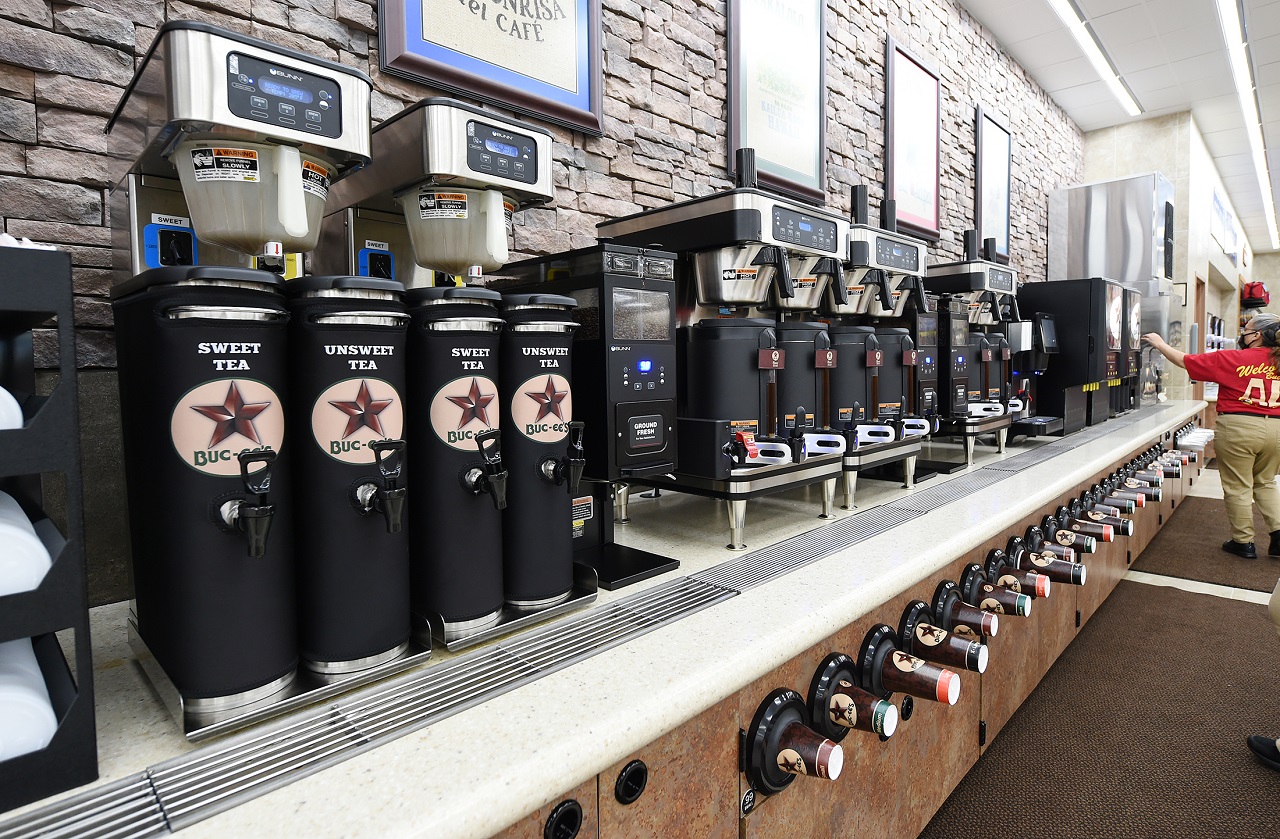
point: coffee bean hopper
(228, 146)
(753, 367)
(445, 179)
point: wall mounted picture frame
(543, 60)
(913, 132)
(777, 97)
(993, 181)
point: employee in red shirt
(1247, 437)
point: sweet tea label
(463, 408)
(214, 422)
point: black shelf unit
(35, 285)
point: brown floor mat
(1190, 546)
(1137, 731)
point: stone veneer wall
(63, 67)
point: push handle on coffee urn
(253, 515)
(776, 258)
(831, 267)
(879, 279)
(390, 498)
(493, 477)
(568, 469)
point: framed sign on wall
(539, 57)
(913, 128)
(992, 182)
(777, 96)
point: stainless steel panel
(1114, 229)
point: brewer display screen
(801, 229)
(285, 91)
(502, 153)
(640, 315)
(644, 365)
(501, 148)
(283, 97)
(1000, 280)
(1048, 333)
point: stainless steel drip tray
(303, 690)
(751, 481)
(586, 587)
(878, 453)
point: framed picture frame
(913, 131)
(777, 97)
(993, 174)
(543, 60)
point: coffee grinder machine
(624, 358)
(752, 376)
(228, 146)
(1088, 316)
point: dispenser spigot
(253, 515)
(775, 257)
(741, 447)
(833, 269)
(490, 478)
(568, 469)
(879, 279)
(387, 499)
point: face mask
(1240, 343)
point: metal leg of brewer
(850, 487)
(737, 508)
(828, 498)
(621, 494)
(968, 448)
(1002, 437)
(909, 472)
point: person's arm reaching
(1175, 356)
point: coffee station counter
(480, 770)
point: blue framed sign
(538, 57)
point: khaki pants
(1248, 450)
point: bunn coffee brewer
(445, 178)
(753, 374)
(873, 390)
(624, 357)
(1088, 316)
(979, 362)
(1033, 343)
(240, 140)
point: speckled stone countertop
(478, 771)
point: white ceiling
(1171, 55)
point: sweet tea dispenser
(227, 146)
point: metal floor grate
(126, 809)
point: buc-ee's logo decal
(213, 422)
(464, 408)
(351, 414)
(542, 408)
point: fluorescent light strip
(1070, 19)
(1232, 34)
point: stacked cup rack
(40, 470)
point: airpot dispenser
(234, 143)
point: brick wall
(63, 68)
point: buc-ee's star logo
(463, 408)
(474, 405)
(233, 416)
(345, 425)
(363, 411)
(548, 400)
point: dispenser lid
(452, 294)
(851, 330)
(797, 325)
(893, 330)
(302, 285)
(550, 301)
(210, 274)
(734, 323)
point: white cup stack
(10, 411)
(27, 720)
(24, 560)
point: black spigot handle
(576, 459)
(1015, 316)
(831, 266)
(254, 515)
(390, 499)
(389, 455)
(494, 481)
(914, 288)
(258, 484)
(880, 280)
(777, 257)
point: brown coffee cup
(852, 707)
(973, 619)
(1101, 532)
(803, 751)
(1057, 569)
(1119, 524)
(1060, 551)
(1082, 542)
(1137, 499)
(933, 643)
(1032, 583)
(914, 676)
(1003, 601)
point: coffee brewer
(228, 146)
(753, 377)
(624, 354)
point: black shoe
(1265, 749)
(1245, 549)
(1274, 550)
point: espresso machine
(1088, 317)
(445, 179)
(624, 355)
(753, 375)
(874, 389)
(1033, 343)
(227, 148)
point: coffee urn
(347, 360)
(456, 454)
(543, 449)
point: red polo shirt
(1247, 380)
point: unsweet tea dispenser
(228, 146)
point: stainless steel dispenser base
(201, 719)
(585, 589)
(971, 428)
(880, 454)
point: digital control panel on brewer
(278, 95)
(800, 229)
(1000, 280)
(897, 255)
(502, 153)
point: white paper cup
(24, 560)
(27, 720)
(10, 411)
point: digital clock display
(285, 91)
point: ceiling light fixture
(1233, 35)
(1084, 38)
